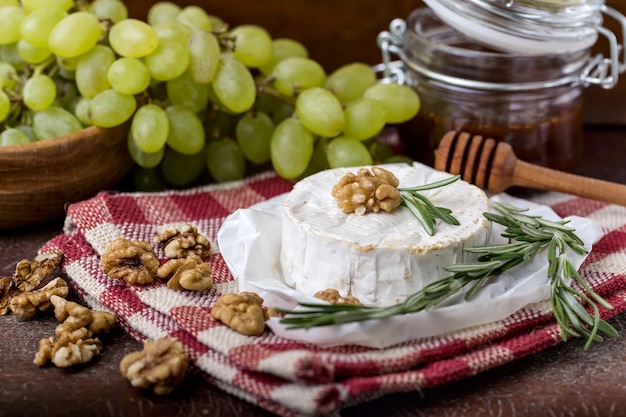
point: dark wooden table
(561, 381)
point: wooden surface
(561, 381)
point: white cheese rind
(380, 258)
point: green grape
(129, 76)
(141, 158)
(186, 133)
(54, 122)
(319, 161)
(32, 54)
(291, 148)
(9, 54)
(180, 169)
(5, 106)
(401, 101)
(39, 92)
(66, 92)
(204, 56)
(173, 31)
(254, 134)
(28, 131)
(168, 61)
(10, 20)
(225, 160)
(195, 17)
(111, 108)
(92, 71)
(12, 136)
(347, 152)
(284, 48)
(35, 28)
(8, 75)
(320, 112)
(350, 81)
(31, 5)
(150, 128)
(74, 35)
(184, 91)
(296, 74)
(234, 86)
(133, 38)
(218, 24)
(113, 10)
(162, 11)
(365, 118)
(68, 64)
(253, 45)
(80, 108)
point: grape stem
(263, 86)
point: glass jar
(530, 99)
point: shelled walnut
(72, 348)
(25, 305)
(133, 261)
(161, 365)
(242, 312)
(7, 291)
(190, 273)
(368, 190)
(29, 274)
(332, 296)
(74, 342)
(184, 242)
(75, 316)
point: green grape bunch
(198, 96)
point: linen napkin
(283, 376)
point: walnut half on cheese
(379, 258)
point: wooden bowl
(38, 180)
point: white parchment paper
(250, 240)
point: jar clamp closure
(513, 70)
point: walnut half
(373, 190)
(242, 312)
(26, 304)
(133, 261)
(190, 273)
(161, 365)
(184, 242)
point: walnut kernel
(184, 242)
(26, 304)
(7, 291)
(368, 190)
(242, 312)
(161, 364)
(74, 342)
(29, 274)
(190, 273)
(332, 296)
(131, 260)
(69, 349)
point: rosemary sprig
(528, 236)
(423, 209)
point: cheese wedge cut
(379, 258)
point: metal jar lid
(523, 27)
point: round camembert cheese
(379, 258)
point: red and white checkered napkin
(280, 375)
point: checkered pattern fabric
(286, 377)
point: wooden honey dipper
(493, 166)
